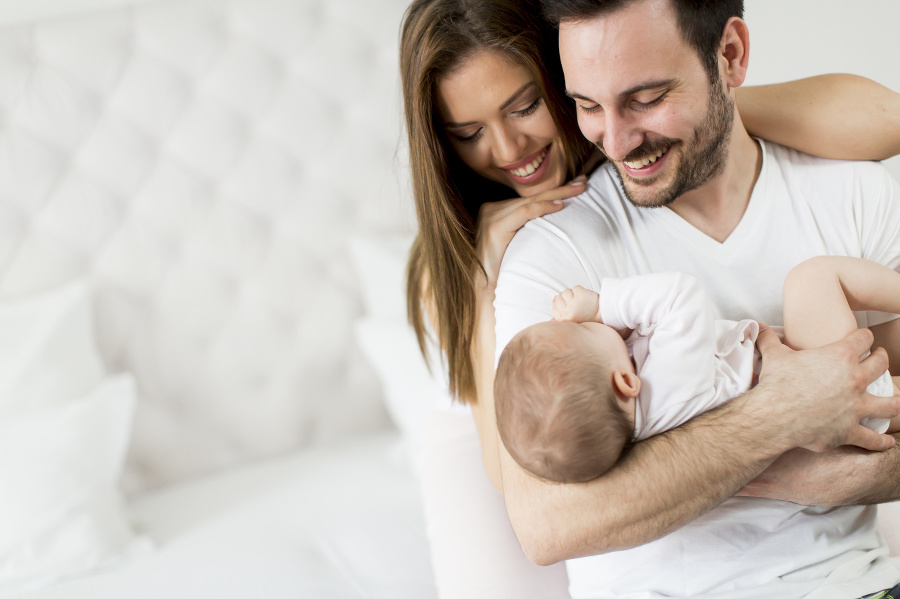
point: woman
(492, 143)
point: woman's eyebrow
(510, 100)
(516, 95)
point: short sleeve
(879, 216)
(539, 263)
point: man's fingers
(860, 342)
(879, 407)
(869, 439)
(874, 365)
(768, 341)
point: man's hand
(841, 476)
(577, 305)
(824, 393)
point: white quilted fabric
(204, 163)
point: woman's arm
(497, 224)
(833, 116)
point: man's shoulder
(826, 184)
(601, 204)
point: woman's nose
(508, 145)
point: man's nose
(620, 135)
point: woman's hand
(499, 221)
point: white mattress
(341, 521)
(335, 522)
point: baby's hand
(577, 304)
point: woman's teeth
(529, 168)
(646, 160)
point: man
(687, 189)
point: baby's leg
(816, 310)
(820, 295)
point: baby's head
(562, 411)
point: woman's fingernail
(557, 201)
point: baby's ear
(627, 383)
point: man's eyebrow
(648, 85)
(503, 106)
(628, 92)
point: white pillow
(409, 389)
(47, 349)
(64, 431)
(387, 340)
(380, 264)
(59, 468)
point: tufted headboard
(204, 163)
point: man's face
(643, 97)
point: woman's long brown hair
(437, 36)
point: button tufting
(195, 158)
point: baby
(570, 400)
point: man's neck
(717, 207)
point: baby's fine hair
(557, 410)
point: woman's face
(499, 125)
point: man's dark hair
(701, 21)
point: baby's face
(607, 343)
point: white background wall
(790, 39)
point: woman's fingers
(498, 221)
(518, 211)
(573, 188)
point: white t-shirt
(800, 207)
(688, 362)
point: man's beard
(701, 160)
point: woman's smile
(530, 169)
(498, 123)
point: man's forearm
(883, 483)
(668, 480)
(661, 485)
(843, 476)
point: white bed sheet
(342, 521)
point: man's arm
(671, 479)
(807, 477)
(668, 480)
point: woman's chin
(551, 181)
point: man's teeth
(646, 160)
(530, 168)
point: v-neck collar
(735, 240)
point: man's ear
(627, 383)
(734, 52)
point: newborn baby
(570, 399)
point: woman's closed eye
(530, 108)
(467, 139)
